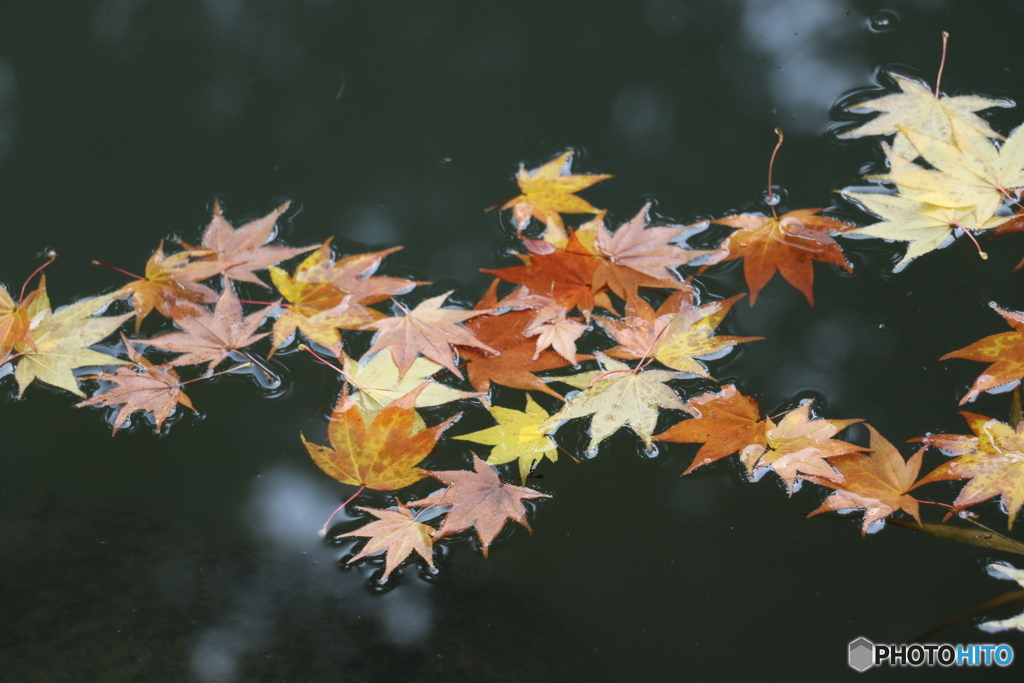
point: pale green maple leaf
(61, 339)
(379, 384)
(919, 109)
(617, 396)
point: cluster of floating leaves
(626, 286)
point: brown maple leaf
(788, 244)
(1005, 352)
(143, 386)
(636, 256)
(171, 286)
(993, 460)
(237, 254)
(478, 499)
(798, 446)
(396, 533)
(209, 338)
(548, 191)
(725, 423)
(515, 359)
(427, 329)
(565, 275)
(676, 335)
(876, 482)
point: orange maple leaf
(725, 423)
(548, 191)
(171, 286)
(380, 455)
(562, 274)
(1004, 350)
(15, 322)
(787, 244)
(515, 359)
(427, 329)
(993, 460)
(876, 482)
(326, 295)
(478, 499)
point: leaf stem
(942, 62)
(260, 365)
(323, 529)
(1015, 407)
(241, 366)
(120, 270)
(51, 257)
(332, 366)
(771, 171)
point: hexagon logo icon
(862, 654)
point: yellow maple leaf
(924, 226)
(548, 192)
(972, 173)
(519, 435)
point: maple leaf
(14, 322)
(993, 460)
(549, 191)
(397, 534)
(515, 358)
(920, 109)
(636, 256)
(376, 377)
(725, 423)
(876, 482)
(798, 446)
(321, 327)
(209, 338)
(144, 387)
(58, 339)
(325, 295)
(787, 244)
(517, 436)
(378, 451)
(478, 499)
(971, 173)
(427, 329)
(169, 281)
(1005, 351)
(554, 330)
(237, 254)
(676, 335)
(564, 275)
(1003, 570)
(906, 219)
(616, 396)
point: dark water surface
(194, 556)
